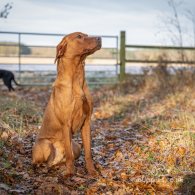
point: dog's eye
(79, 36)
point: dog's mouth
(91, 51)
(99, 46)
(94, 49)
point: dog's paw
(93, 172)
(70, 170)
(91, 169)
(69, 173)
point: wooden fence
(186, 55)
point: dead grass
(167, 113)
(18, 113)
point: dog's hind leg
(41, 151)
(7, 82)
(76, 149)
(57, 153)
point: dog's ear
(60, 49)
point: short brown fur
(69, 108)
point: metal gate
(31, 57)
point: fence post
(19, 55)
(122, 55)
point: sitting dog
(8, 77)
(69, 108)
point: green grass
(18, 114)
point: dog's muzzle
(99, 42)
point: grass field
(143, 133)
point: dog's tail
(16, 82)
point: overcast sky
(141, 19)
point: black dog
(8, 77)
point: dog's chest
(80, 111)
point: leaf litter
(135, 145)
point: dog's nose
(99, 39)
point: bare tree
(6, 10)
(174, 21)
(175, 27)
(190, 15)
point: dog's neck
(71, 71)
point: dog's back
(5, 73)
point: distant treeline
(9, 49)
(12, 49)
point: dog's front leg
(68, 151)
(86, 137)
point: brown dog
(70, 106)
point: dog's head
(77, 44)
